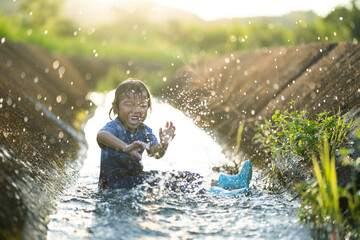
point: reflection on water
(157, 213)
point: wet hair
(127, 87)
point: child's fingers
(171, 126)
(136, 154)
(139, 144)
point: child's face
(132, 110)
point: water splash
(156, 212)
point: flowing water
(83, 212)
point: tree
(40, 11)
(347, 18)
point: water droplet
(9, 101)
(341, 18)
(58, 99)
(46, 32)
(61, 134)
(36, 80)
(61, 71)
(56, 64)
(282, 98)
(164, 79)
(2, 40)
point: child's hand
(134, 148)
(167, 134)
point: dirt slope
(42, 107)
(250, 86)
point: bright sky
(97, 11)
(215, 9)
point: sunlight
(198, 153)
(235, 8)
(100, 11)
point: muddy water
(85, 213)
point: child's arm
(111, 140)
(166, 135)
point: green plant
(295, 133)
(154, 80)
(321, 196)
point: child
(124, 139)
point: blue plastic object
(221, 191)
(239, 181)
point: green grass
(172, 42)
(320, 206)
(293, 133)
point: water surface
(156, 213)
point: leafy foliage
(321, 197)
(154, 80)
(137, 37)
(294, 133)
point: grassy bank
(135, 37)
(331, 210)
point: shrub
(294, 133)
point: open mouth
(134, 120)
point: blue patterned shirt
(115, 163)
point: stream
(84, 212)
